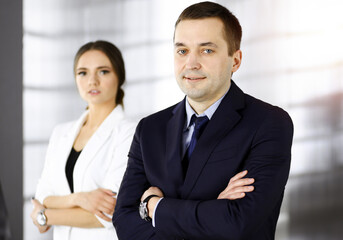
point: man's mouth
(194, 78)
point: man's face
(202, 65)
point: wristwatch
(41, 218)
(143, 210)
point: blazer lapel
(222, 121)
(66, 146)
(173, 149)
(94, 144)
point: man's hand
(237, 187)
(153, 201)
(98, 202)
(37, 206)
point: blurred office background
(292, 57)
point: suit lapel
(94, 144)
(173, 149)
(222, 121)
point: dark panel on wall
(11, 131)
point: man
(184, 189)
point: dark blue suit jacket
(244, 133)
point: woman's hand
(37, 206)
(98, 202)
(237, 187)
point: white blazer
(102, 163)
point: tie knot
(200, 122)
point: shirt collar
(208, 112)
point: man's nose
(193, 61)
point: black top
(73, 156)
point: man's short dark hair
(232, 27)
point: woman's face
(96, 79)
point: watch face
(41, 219)
(142, 210)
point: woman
(86, 158)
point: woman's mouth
(94, 92)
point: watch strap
(146, 200)
(145, 206)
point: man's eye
(81, 73)
(181, 51)
(208, 51)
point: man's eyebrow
(204, 44)
(209, 44)
(179, 44)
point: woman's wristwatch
(41, 218)
(143, 208)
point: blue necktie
(200, 124)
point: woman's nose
(93, 80)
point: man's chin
(196, 96)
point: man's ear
(237, 59)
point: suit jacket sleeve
(268, 161)
(126, 217)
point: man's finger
(243, 182)
(239, 175)
(242, 189)
(231, 196)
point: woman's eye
(81, 73)
(103, 72)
